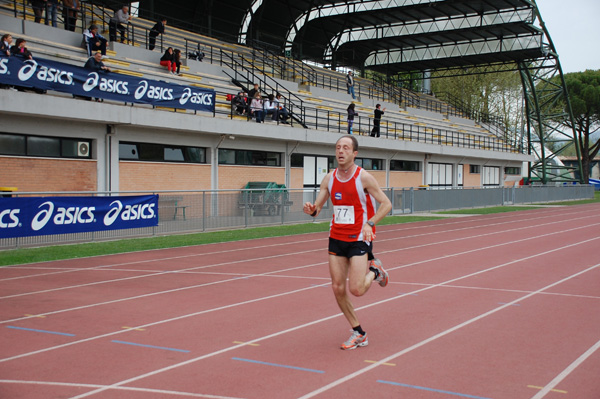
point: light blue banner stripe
(151, 346)
(278, 365)
(431, 389)
(40, 331)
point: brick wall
(48, 174)
(236, 177)
(136, 176)
(406, 179)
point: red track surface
(503, 306)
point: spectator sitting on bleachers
(157, 29)
(20, 50)
(168, 60)
(177, 60)
(95, 63)
(240, 103)
(270, 107)
(94, 41)
(283, 112)
(118, 22)
(256, 108)
(5, 44)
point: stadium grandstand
(54, 139)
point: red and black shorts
(349, 249)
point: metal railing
(232, 209)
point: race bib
(343, 214)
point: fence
(186, 212)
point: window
(40, 146)
(369, 163)
(249, 157)
(474, 169)
(406, 166)
(161, 153)
(12, 144)
(512, 170)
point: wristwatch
(370, 223)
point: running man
(353, 191)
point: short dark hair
(378, 105)
(92, 27)
(352, 138)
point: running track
(503, 306)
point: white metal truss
(401, 30)
(342, 8)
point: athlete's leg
(359, 276)
(338, 268)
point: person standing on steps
(353, 192)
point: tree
(492, 93)
(584, 96)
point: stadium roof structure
(399, 36)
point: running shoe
(383, 276)
(356, 339)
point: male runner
(353, 191)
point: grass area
(487, 211)
(595, 200)
(58, 252)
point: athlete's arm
(372, 187)
(322, 197)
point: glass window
(474, 169)
(12, 144)
(511, 170)
(174, 154)
(406, 166)
(128, 151)
(226, 156)
(43, 146)
(195, 154)
(297, 160)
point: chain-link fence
(198, 211)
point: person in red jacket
(353, 193)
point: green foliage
(584, 96)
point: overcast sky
(574, 28)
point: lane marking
(504, 303)
(282, 244)
(302, 267)
(463, 395)
(552, 390)
(91, 386)
(39, 316)
(278, 365)
(133, 328)
(557, 380)
(443, 334)
(383, 364)
(40, 331)
(150, 346)
(318, 321)
(245, 343)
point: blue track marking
(151, 346)
(462, 395)
(278, 365)
(40, 331)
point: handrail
(235, 65)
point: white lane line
(283, 255)
(386, 360)
(565, 373)
(437, 336)
(300, 267)
(404, 228)
(134, 389)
